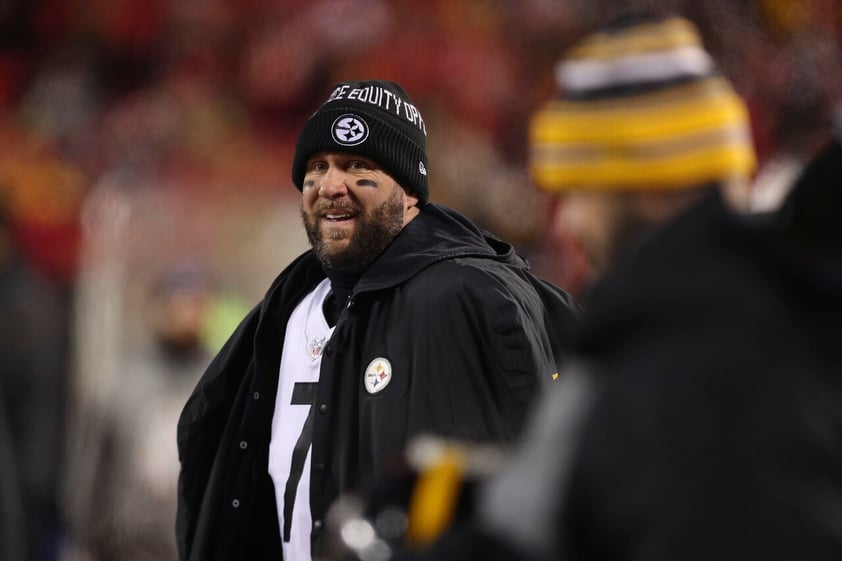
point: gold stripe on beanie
(616, 171)
(651, 150)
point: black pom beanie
(374, 119)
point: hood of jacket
(436, 234)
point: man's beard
(374, 231)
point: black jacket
(707, 417)
(471, 336)
(722, 397)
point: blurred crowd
(145, 152)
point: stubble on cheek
(322, 237)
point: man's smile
(337, 216)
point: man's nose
(334, 183)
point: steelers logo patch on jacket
(378, 374)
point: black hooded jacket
(702, 418)
(720, 353)
(471, 335)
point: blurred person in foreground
(700, 416)
(123, 475)
(403, 319)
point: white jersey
(292, 424)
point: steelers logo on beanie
(375, 119)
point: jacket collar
(436, 234)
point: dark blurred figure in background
(32, 390)
(701, 415)
(123, 479)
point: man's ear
(410, 200)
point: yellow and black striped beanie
(642, 106)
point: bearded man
(404, 319)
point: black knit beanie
(374, 119)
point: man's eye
(318, 166)
(359, 165)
